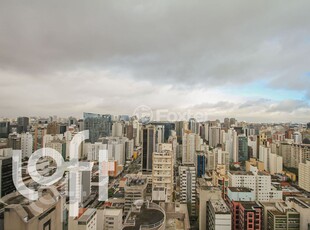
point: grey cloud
(253, 103)
(53, 53)
(218, 105)
(288, 106)
(196, 42)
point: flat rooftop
(249, 205)
(87, 215)
(145, 217)
(240, 189)
(299, 202)
(241, 173)
(220, 206)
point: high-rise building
(162, 176)
(148, 147)
(231, 144)
(214, 136)
(129, 131)
(293, 154)
(259, 182)
(189, 148)
(26, 144)
(201, 164)
(111, 219)
(247, 215)
(20, 214)
(206, 193)
(275, 163)
(4, 129)
(135, 189)
(218, 215)
(283, 219)
(304, 175)
(22, 123)
(6, 179)
(188, 187)
(226, 123)
(39, 133)
(180, 126)
(192, 125)
(98, 125)
(301, 205)
(53, 128)
(117, 129)
(129, 146)
(14, 141)
(242, 148)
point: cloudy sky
(247, 59)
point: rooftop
(239, 189)
(136, 180)
(146, 216)
(241, 173)
(87, 215)
(220, 206)
(249, 205)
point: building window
(47, 225)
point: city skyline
(241, 59)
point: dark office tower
(62, 128)
(4, 129)
(14, 141)
(179, 130)
(192, 125)
(148, 147)
(232, 121)
(308, 125)
(6, 180)
(227, 123)
(242, 148)
(201, 164)
(129, 131)
(98, 125)
(22, 124)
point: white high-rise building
(218, 215)
(92, 150)
(117, 129)
(26, 144)
(136, 132)
(304, 175)
(162, 176)
(231, 144)
(188, 186)
(259, 182)
(264, 156)
(275, 163)
(217, 157)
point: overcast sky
(243, 59)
